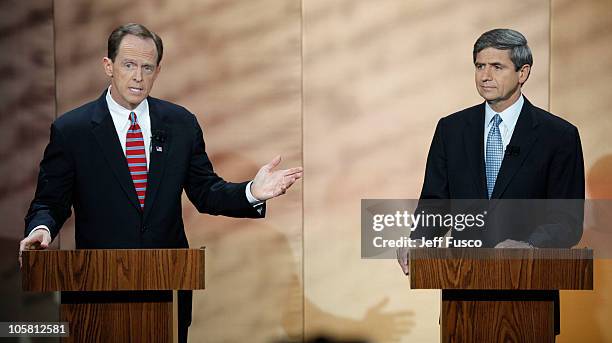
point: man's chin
(135, 101)
(490, 98)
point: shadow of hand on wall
(387, 326)
(254, 281)
(377, 324)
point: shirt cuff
(40, 227)
(252, 200)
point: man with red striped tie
(122, 163)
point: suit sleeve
(435, 193)
(565, 188)
(54, 191)
(210, 193)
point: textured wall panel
(27, 107)
(377, 77)
(581, 74)
(27, 104)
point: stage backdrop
(378, 75)
(580, 79)
(27, 108)
(351, 90)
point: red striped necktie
(136, 158)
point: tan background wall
(377, 77)
(580, 90)
(352, 90)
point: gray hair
(506, 39)
(137, 30)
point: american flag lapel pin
(158, 138)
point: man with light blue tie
(506, 148)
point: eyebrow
(493, 64)
(125, 60)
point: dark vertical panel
(27, 108)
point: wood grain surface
(113, 270)
(119, 322)
(497, 321)
(509, 269)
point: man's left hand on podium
(512, 244)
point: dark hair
(137, 30)
(506, 39)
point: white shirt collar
(115, 108)
(509, 115)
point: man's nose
(138, 75)
(485, 74)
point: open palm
(270, 183)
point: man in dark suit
(506, 148)
(123, 161)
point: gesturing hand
(269, 183)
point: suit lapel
(523, 137)
(473, 137)
(160, 144)
(105, 133)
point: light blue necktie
(495, 153)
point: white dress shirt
(121, 119)
(509, 118)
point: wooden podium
(116, 295)
(499, 295)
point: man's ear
(524, 73)
(107, 63)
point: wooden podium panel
(500, 295)
(497, 316)
(119, 322)
(511, 269)
(121, 295)
(112, 269)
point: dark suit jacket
(84, 167)
(546, 164)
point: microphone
(159, 136)
(513, 150)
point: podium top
(501, 269)
(112, 269)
